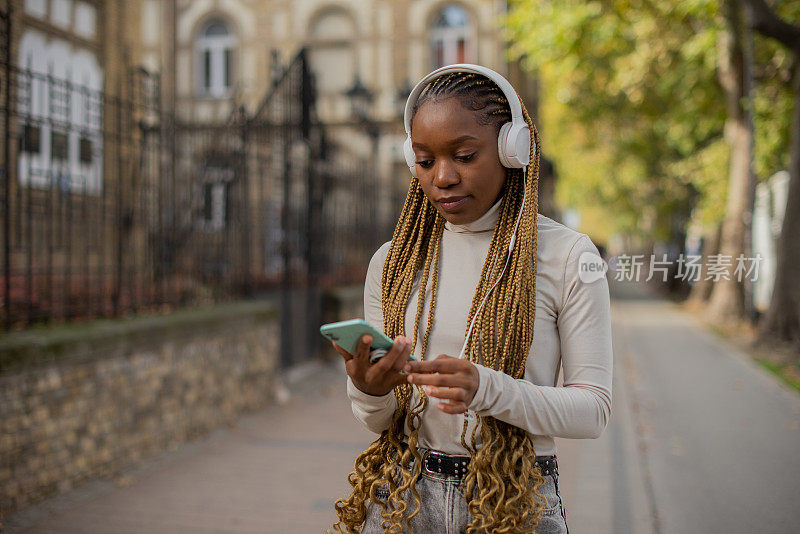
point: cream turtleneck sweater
(572, 329)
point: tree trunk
(727, 294)
(782, 319)
(701, 290)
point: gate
(150, 213)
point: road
(701, 440)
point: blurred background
(190, 188)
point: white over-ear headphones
(514, 140)
(513, 147)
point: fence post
(313, 209)
(5, 174)
(247, 231)
(286, 301)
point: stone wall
(85, 401)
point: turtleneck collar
(484, 223)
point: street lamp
(360, 100)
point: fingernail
(427, 389)
(407, 367)
(410, 379)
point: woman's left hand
(449, 378)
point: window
(31, 135)
(215, 205)
(85, 150)
(58, 145)
(59, 111)
(451, 37)
(36, 8)
(215, 47)
(331, 52)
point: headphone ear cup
(502, 144)
(522, 145)
(514, 145)
(411, 158)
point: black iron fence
(111, 206)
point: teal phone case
(347, 335)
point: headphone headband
(513, 141)
(502, 83)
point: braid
(474, 91)
(501, 486)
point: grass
(788, 372)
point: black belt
(436, 462)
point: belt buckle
(425, 458)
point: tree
(632, 112)
(782, 320)
(636, 97)
(727, 294)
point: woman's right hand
(382, 376)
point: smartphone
(347, 334)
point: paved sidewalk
(718, 435)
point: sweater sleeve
(582, 407)
(373, 411)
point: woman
(466, 435)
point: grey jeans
(444, 510)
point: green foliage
(772, 96)
(631, 109)
(706, 168)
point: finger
(443, 363)
(456, 394)
(362, 350)
(452, 407)
(400, 344)
(402, 356)
(346, 355)
(385, 364)
(444, 380)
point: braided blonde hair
(501, 486)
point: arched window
(451, 37)
(215, 51)
(330, 40)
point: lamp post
(360, 106)
(360, 99)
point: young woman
(490, 297)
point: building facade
(157, 150)
(215, 55)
